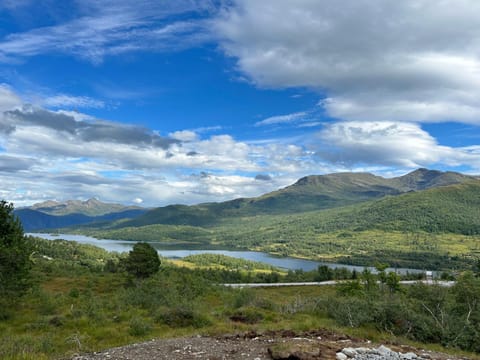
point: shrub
(247, 315)
(351, 312)
(182, 317)
(139, 327)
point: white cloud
(388, 143)
(56, 154)
(106, 28)
(63, 100)
(410, 60)
(8, 99)
(282, 119)
(184, 135)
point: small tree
(142, 261)
(14, 254)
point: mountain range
(53, 214)
(310, 193)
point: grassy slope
(76, 307)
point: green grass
(86, 312)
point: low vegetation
(81, 299)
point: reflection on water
(281, 262)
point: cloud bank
(412, 60)
(382, 70)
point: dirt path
(321, 344)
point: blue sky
(154, 102)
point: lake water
(281, 262)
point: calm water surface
(281, 262)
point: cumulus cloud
(411, 60)
(85, 131)
(184, 135)
(387, 143)
(49, 154)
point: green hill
(307, 194)
(449, 209)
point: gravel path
(271, 345)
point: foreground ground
(322, 344)
(82, 303)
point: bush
(247, 315)
(243, 297)
(351, 312)
(182, 317)
(139, 327)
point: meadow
(81, 300)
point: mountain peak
(48, 203)
(422, 179)
(90, 207)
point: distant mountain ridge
(53, 214)
(90, 207)
(310, 193)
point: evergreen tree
(14, 254)
(142, 261)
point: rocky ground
(270, 345)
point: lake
(288, 263)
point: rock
(341, 356)
(383, 350)
(362, 350)
(409, 356)
(350, 352)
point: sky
(188, 101)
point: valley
(425, 220)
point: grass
(74, 308)
(51, 321)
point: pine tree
(142, 261)
(14, 254)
